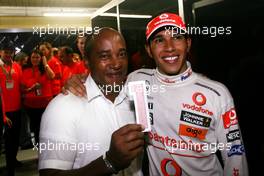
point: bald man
(95, 135)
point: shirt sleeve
(56, 68)
(58, 141)
(56, 154)
(229, 134)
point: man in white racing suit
(191, 116)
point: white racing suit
(191, 118)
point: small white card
(137, 91)
(9, 84)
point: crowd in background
(28, 82)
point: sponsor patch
(199, 99)
(186, 75)
(195, 119)
(230, 118)
(233, 135)
(194, 132)
(236, 150)
(197, 109)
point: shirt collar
(93, 91)
(174, 80)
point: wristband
(109, 165)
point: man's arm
(229, 135)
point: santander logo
(199, 99)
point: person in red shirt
(10, 78)
(21, 58)
(69, 66)
(37, 90)
(76, 57)
(54, 66)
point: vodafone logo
(199, 99)
(163, 16)
(232, 114)
(198, 109)
(230, 118)
(169, 167)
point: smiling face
(108, 58)
(7, 55)
(35, 59)
(169, 52)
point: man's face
(7, 54)
(63, 56)
(169, 52)
(108, 60)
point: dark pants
(35, 118)
(12, 141)
(25, 137)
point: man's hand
(126, 144)
(8, 122)
(75, 85)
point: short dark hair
(68, 50)
(40, 66)
(47, 44)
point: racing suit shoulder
(140, 74)
(217, 87)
